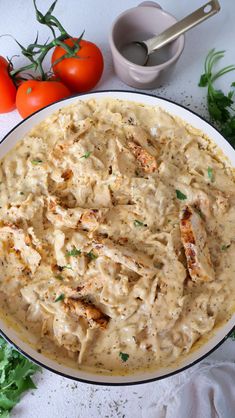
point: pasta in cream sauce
(117, 235)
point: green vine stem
(36, 52)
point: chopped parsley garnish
(67, 267)
(60, 297)
(199, 212)
(158, 265)
(74, 252)
(59, 277)
(15, 377)
(138, 223)
(36, 161)
(86, 155)
(180, 195)
(210, 174)
(225, 247)
(124, 356)
(92, 256)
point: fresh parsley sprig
(15, 377)
(232, 335)
(220, 105)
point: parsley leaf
(124, 356)
(59, 298)
(225, 247)
(180, 195)
(203, 80)
(86, 155)
(92, 256)
(210, 174)
(67, 267)
(220, 105)
(59, 277)
(36, 161)
(15, 377)
(74, 252)
(138, 223)
(232, 335)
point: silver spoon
(138, 51)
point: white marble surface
(58, 397)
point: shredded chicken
(146, 160)
(86, 310)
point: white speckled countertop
(58, 397)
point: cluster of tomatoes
(76, 74)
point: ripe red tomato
(33, 95)
(80, 73)
(7, 88)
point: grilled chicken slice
(67, 174)
(194, 239)
(146, 160)
(133, 260)
(74, 217)
(88, 311)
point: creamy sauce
(94, 260)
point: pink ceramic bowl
(146, 20)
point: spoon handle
(201, 14)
